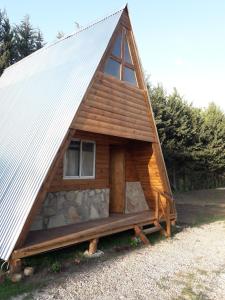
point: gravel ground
(191, 265)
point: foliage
(7, 46)
(56, 267)
(18, 41)
(9, 289)
(192, 140)
(135, 241)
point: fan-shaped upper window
(120, 63)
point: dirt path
(189, 266)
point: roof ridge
(91, 24)
(48, 45)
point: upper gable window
(120, 64)
(117, 46)
(112, 67)
(127, 56)
(129, 76)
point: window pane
(87, 159)
(73, 159)
(129, 76)
(112, 67)
(127, 55)
(117, 46)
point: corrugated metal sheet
(38, 99)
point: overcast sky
(181, 42)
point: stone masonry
(135, 198)
(64, 208)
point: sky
(181, 42)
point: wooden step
(151, 230)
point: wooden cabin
(84, 158)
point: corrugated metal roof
(38, 99)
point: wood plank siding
(140, 165)
(148, 171)
(101, 179)
(115, 108)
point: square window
(79, 160)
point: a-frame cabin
(80, 156)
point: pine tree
(39, 41)
(213, 137)
(192, 140)
(7, 45)
(27, 38)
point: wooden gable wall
(114, 107)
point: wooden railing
(164, 209)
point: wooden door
(117, 180)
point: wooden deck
(45, 240)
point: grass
(9, 289)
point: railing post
(168, 221)
(157, 207)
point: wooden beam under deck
(55, 238)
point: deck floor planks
(45, 240)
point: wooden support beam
(161, 230)
(93, 246)
(157, 206)
(15, 265)
(141, 235)
(173, 222)
(151, 230)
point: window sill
(77, 177)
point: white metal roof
(39, 97)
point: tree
(27, 38)
(7, 43)
(39, 40)
(192, 140)
(213, 137)
(18, 41)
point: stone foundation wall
(63, 208)
(135, 198)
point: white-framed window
(79, 160)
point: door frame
(117, 202)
